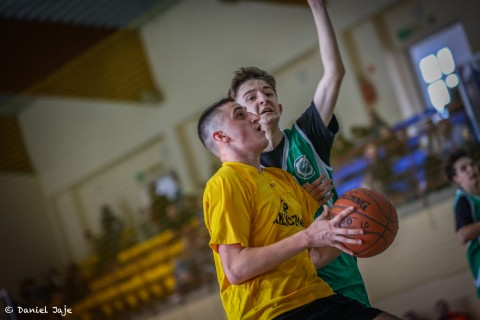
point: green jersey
(467, 211)
(299, 156)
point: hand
(327, 232)
(320, 189)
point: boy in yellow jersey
(304, 149)
(262, 232)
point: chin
(269, 121)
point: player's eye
(239, 114)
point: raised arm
(328, 88)
(241, 264)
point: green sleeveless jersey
(304, 163)
(473, 250)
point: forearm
(468, 232)
(328, 88)
(323, 255)
(329, 51)
(241, 264)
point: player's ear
(218, 136)
(455, 179)
(280, 107)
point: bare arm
(323, 255)
(468, 232)
(241, 264)
(328, 87)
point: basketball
(375, 214)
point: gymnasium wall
(425, 255)
(29, 239)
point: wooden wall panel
(46, 59)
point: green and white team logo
(303, 167)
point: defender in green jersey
(304, 150)
(461, 169)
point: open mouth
(266, 110)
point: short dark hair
(208, 122)
(248, 73)
(448, 164)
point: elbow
(234, 277)
(235, 268)
(317, 259)
(335, 78)
(340, 74)
(462, 239)
(323, 256)
(235, 274)
(463, 236)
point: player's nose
(256, 109)
(262, 99)
(254, 117)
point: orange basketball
(375, 214)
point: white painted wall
(29, 240)
(193, 50)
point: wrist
(307, 239)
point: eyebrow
(237, 107)
(266, 86)
(248, 92)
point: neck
(475, 189)
(274, 137)
(251, 160)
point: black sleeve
(463, 213)
(320, 135)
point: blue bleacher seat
(349, 185)
(351, 168)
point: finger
(351, 241)
(342, 248)
(349, 231)
(307, 187)
(326, 193)
(344, 233)
(322, 190)
(323, 200)
(320, 193)
(326, 183)
(342, 214)
(314, 185)
(319, 180)
(325, 214)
